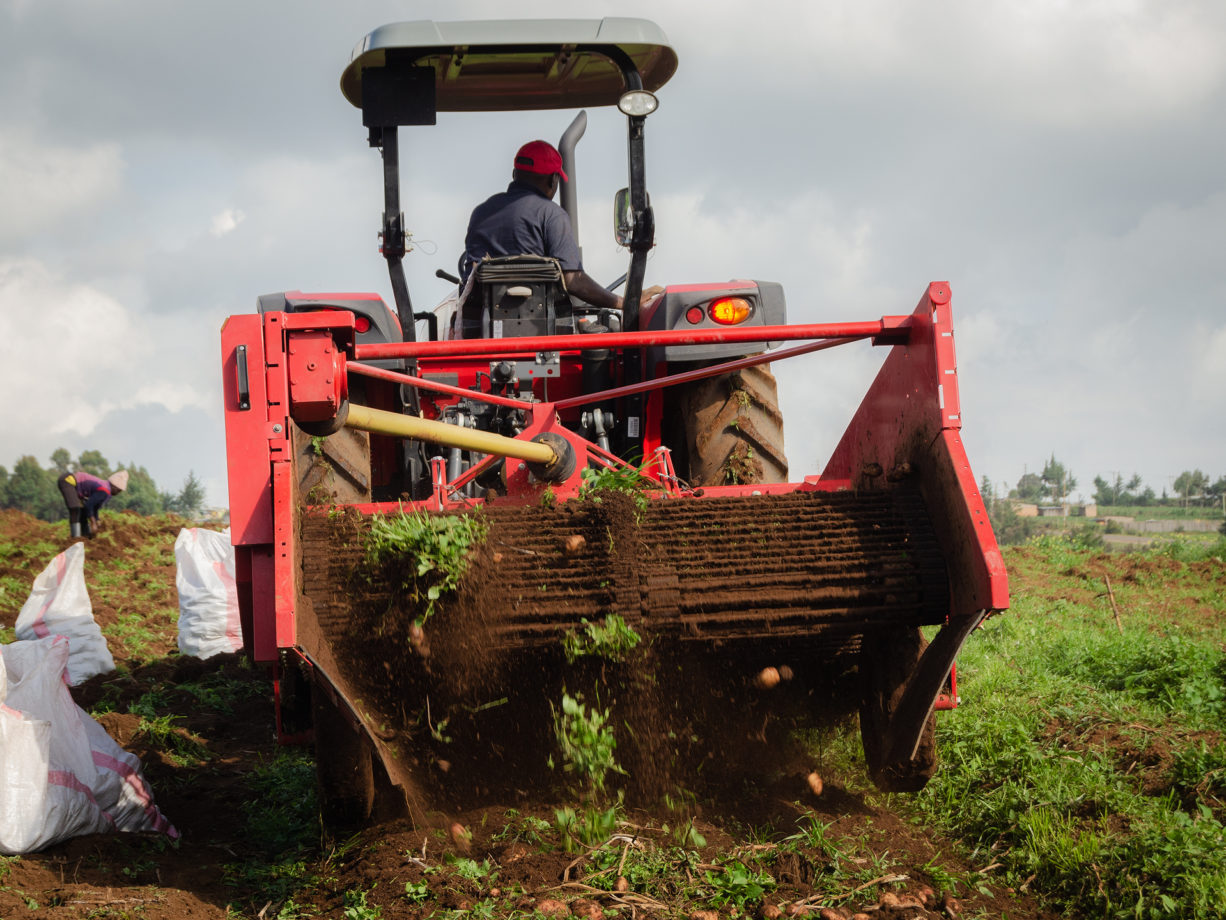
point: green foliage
(1191, 484)
(737, 886)
(61, 461)
(1118, 492)
(610, 639)
(356, 908)
(625, 480)
(1010, 527)
(92, 462)
(1029, 488)
(141, 496)
(32, 489)
(526, 828)
(179, 745)
(1199, 772)
(190, 499)
(1035, 774)
(589, 825)
(586, 741)
(1186, 550)
(281, 813)
(436, 545)
(416, 892)
(471, 870)
(1057, 481)
(1173, 672)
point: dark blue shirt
(520, 221)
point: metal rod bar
(687, 376)
(857, 330)
(380, 373)
(379, 421)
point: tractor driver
(524, 220)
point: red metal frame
(907, 425)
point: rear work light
(361, 323)
(729, 311)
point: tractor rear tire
(727, 430)
(886, 663)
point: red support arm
(886, 331)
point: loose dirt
(761, 801)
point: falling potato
(767, 678)
(573, 544)
(460, 836)
(814, 780)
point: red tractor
(336, 409)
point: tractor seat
(516, 296)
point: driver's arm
(587, 289)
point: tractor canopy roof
(517, 64)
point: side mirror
(623, 218)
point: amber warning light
(729, 311)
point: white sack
(208, 598)
(59, 605)
(61, 774)
(47, 771)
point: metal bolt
(276, 429)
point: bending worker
(85, 495)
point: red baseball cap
(540, 157)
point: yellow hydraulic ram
(549, 455)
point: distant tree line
(32, 488)
(1192, 488)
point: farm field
(1083, 775)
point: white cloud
(1050, 61)
(226, 221)
(45, 183)
(79, 355)
(1210, 345)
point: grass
(1079, 764)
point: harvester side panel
(246, 417)
(907, 428)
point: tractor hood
(517, 64)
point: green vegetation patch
(1086, 760)
(429, 551)
(610, 638)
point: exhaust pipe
(566, 147)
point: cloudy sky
(1061, 164)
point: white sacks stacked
(59, 605)
(61, 774)
(208, 599)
